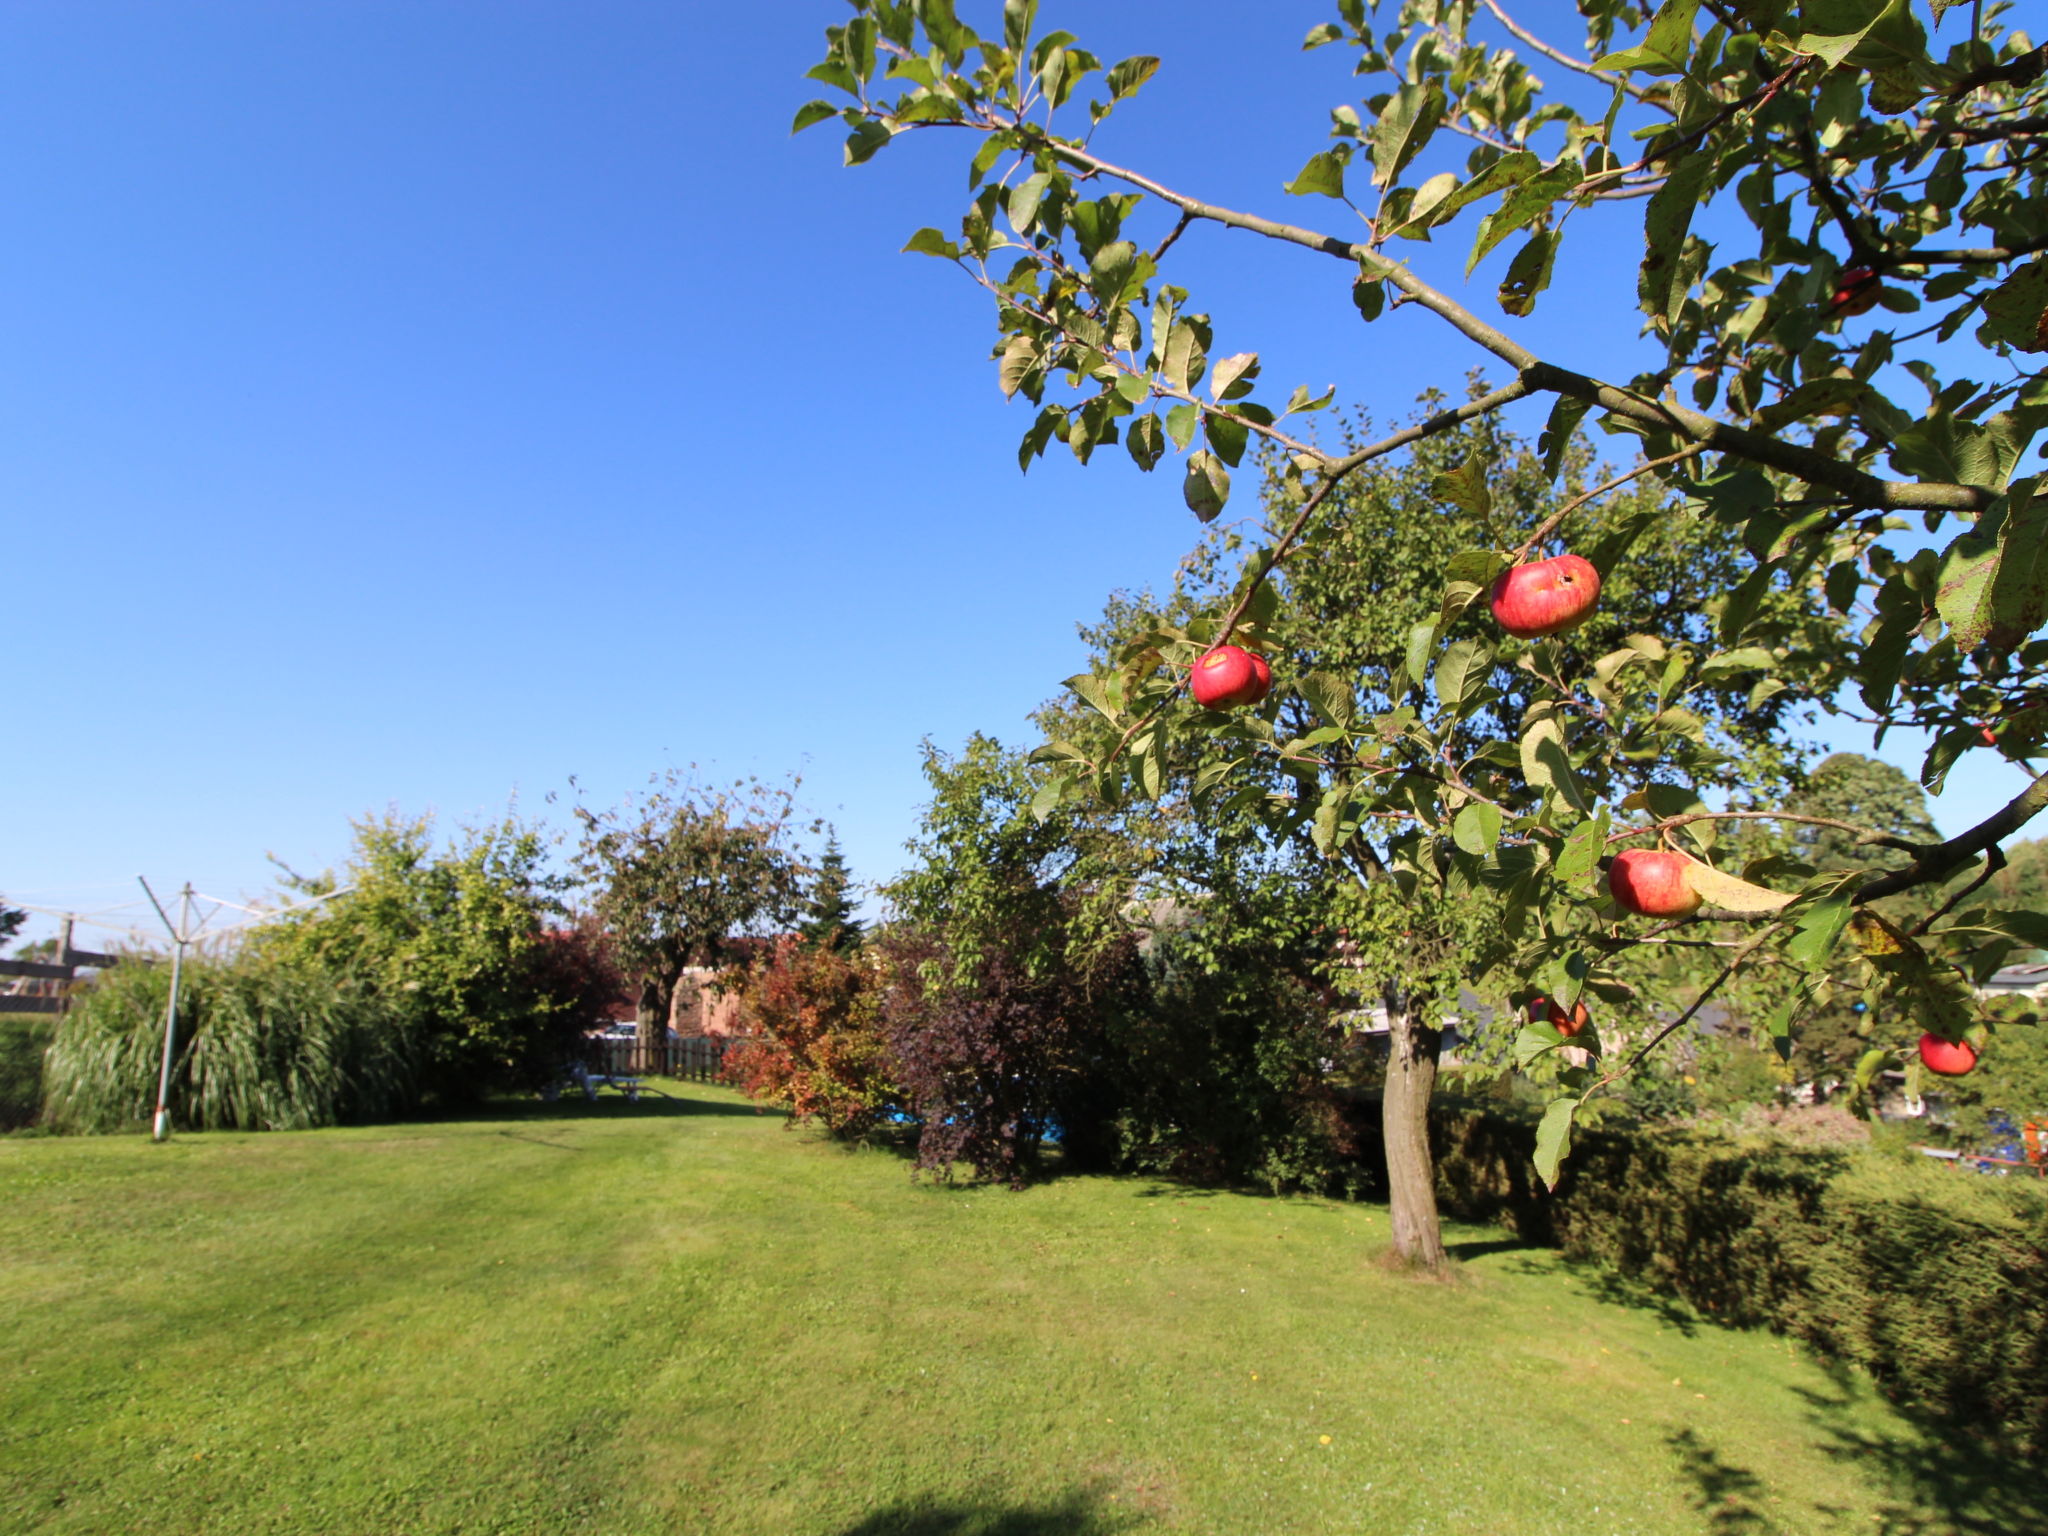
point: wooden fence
(39, 985)
(701, 1057)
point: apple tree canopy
(1851, 156)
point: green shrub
(263, 1045)
(1934, 1281)
(23, 1039)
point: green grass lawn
(681, 1317)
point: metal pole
(162, 1128)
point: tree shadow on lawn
(1726, 1494)
(652, 1105)
(1078, 1514)
(1601, 1284)
(1940, 1477)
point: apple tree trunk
(1404, 1121)
(650, 1018)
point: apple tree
(1844, 305)
(685, 870)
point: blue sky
(419, 403)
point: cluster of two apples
(1544, 597)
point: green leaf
(1750, 658)
(867, 137)
(1529, 273)
(1145, 442)
(1404, 127)
(1421, 639)
(1020, 356)
(1227, 371)
(1466, 487)
(1047, 800)
(1125, 78)
(1093, 691)
(1112, 270)
(1300, 400)
(1554, 1139)
(1994, 579)
(1662, 281)
(1665, 49)
(1580, 855)
(1527, 202)
(1207, 485)
(812, 112)
(1819, 926)
(1546, 764)
(1018, 16)
(1184, 358)
(1323, 176)
(929, 242)
(2016, 311)
(1024, 200)
(1556, 440)
(1181, 422)
(1460, 673)
(1332, 698)
(1480, 566)
(1226, 434)
(1476, 828)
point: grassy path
(683, 1318)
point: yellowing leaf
(1731, 894)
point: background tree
(830, 922)
(1847, 143)
(450, 939)
(684, 873)
(1001, 969)
(11, 919)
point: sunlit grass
(682, 1318)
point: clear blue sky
(415, 403)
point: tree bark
(650, 1017)
(1404, 1122)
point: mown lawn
(681, 1317)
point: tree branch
(1603, 76)
(1806, 464)
(1944, 859)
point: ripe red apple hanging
(1553, 1014)
(1950, 1058)
(1653, 882)
(1229, 676)
(1856, 292)
(1545, 597)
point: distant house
(2017, 981)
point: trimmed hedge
(1932, 1280)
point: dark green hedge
(1933, 1280)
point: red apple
(1856, 292)
(1545, 597)
(1651, 882)
(1229, 676)
(1951, 1058)
(1553, 1014)
(1989, 739)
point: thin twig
(1863, 835)
(1603, 76)
(1551, 524)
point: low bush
(1934, 1281)
(262, 1045)
(813, 1045)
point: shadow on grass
(1936, 1477)
(1078, 1514)
(1724, 1492)
(663, 1104)
(1480, 1248)
(1605, 1285)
